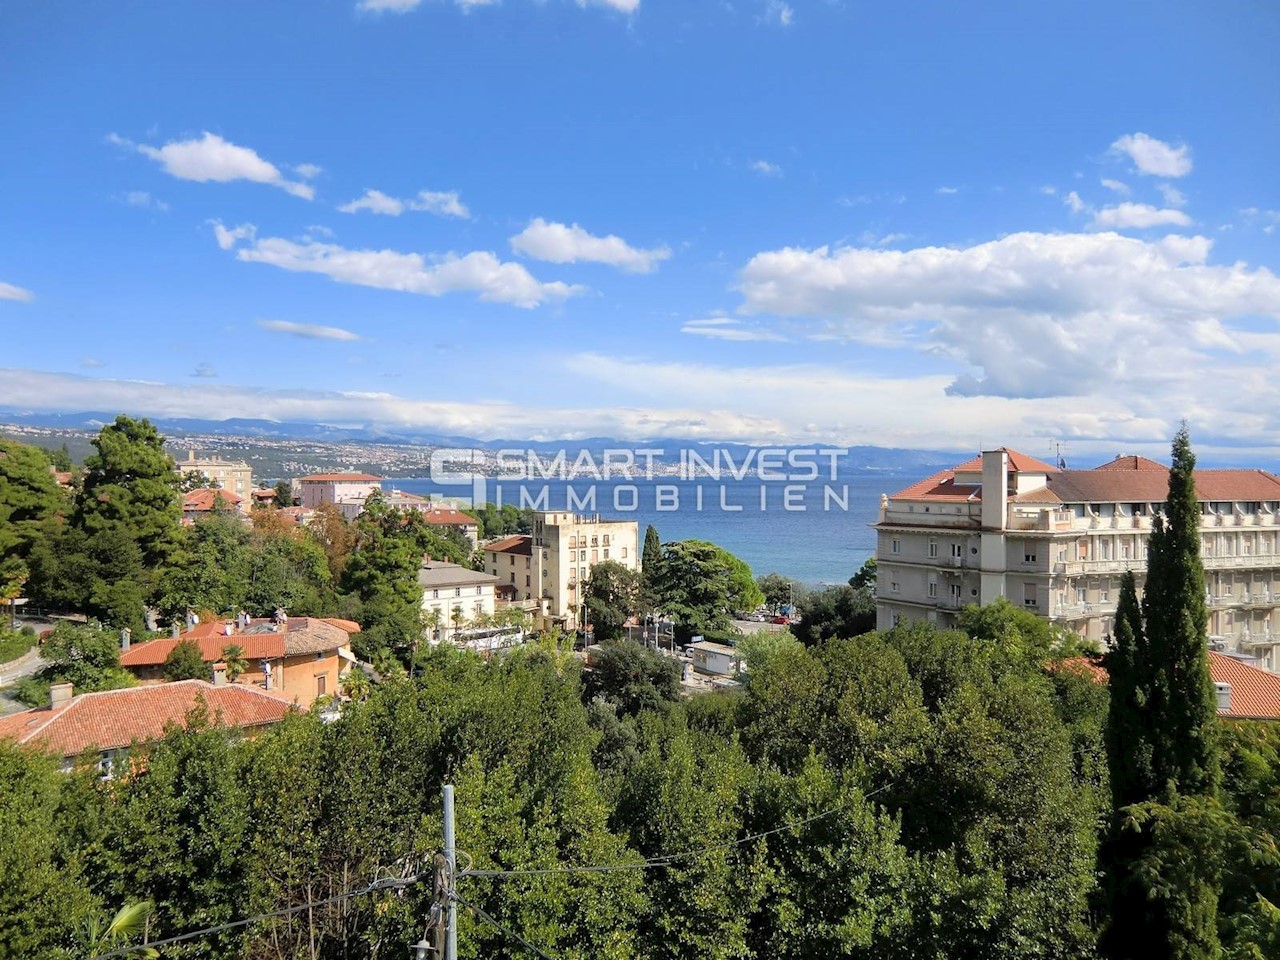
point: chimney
(219, 674)
(60, 694)
(175, 630)
(1223, 691)
(126, 635)
(995, 489)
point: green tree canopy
(611, 594)
(185, 662)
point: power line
(389, 883)
(501, 929)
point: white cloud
(308, 171)
(92, 363)
(946, 191)
(765, 168)
(1116, 186)
(204, 371)
(871, 239)
(726, 328)
(443, 204)
(558, 243)
(228, 238)
(1173, 197)
(387, 6)
(9, 292)
(479, 272)
(375, 201)
(1126, 216)
(1030, 314)
(623, 6)
(211, 158)
(308, 331)
(1049, 190)
(779, 12)
(144, 200)
(1154, 157)
(1073, 201)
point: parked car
(780, 619)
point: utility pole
(451, 855)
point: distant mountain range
(859, 457)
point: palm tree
(129, 921)
(355, 684)
(233, 657)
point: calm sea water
(825, 542)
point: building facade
(347, 491)
(234, 476)
(551, 565)
(455, 597)
(1056, 542)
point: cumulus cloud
(779, 12)
(1126, 216)
(9, 292)
(144, 200)
(442, 204)
(229, 237)
(727, 328)
(1173, 197)
(478, 272)
(308, 331)
(946, 191)
(558, 243)
(1116, 186)
(1154, 157)
(1030, 314)
(213, 159)
(765, 168)
(1073, 201)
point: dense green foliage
(1168, 833)
(29, 499)
(185, 662)
(840, 611)
(86, 656)
(702, 587)
(504, 521)
(611, 595)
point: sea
(818, 532)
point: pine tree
(1127, 735)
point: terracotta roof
(263, 493)
(260, 642)
(1018, 463)
(1152, 486)
(1132, 463)
(1255, 693)
(521, 544)
(261, 646)
(203, 500)
(119, 718)
(941, 486)
(62, 477)
(340, 478)
(448, 516)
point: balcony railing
(1076, 568)
(1076, 611)
(1234, 560)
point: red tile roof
(119, 718)
(941, 486)
(340, 478)
(520, 544)
(1018, 463)
(1131, 463)
(302, 635)
(204, 499)
(1255, 693)
(448, 516)
(257, 646)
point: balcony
(1078, 568)
(1081, 611)
(1236, 560)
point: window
(933, 547)
(1029, 553)
(595, 555)
(954, 592)
(893, 586)
(896, 546)
(1081, 595)
(957, 550)
(606, 553)
(528, 581)
(435, 594)
(1029, 595)
(321, 684)
(479, 591)
(604, 541)
(624, 553)
(457, 591)
(897, 619)
(933, 588)
(582, 556)
(513, 577)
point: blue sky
(927, 224)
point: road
(27, 665)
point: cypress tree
(652, 552)
(1159, 855)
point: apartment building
(346, 491)
(1056, 542)
(456, 595)
(552, 564)
(234, 476)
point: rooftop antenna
(1062, 462)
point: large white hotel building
(1056, 542)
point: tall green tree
(29, 500)
(611, 594)
(1162, 855)
(651, 555)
